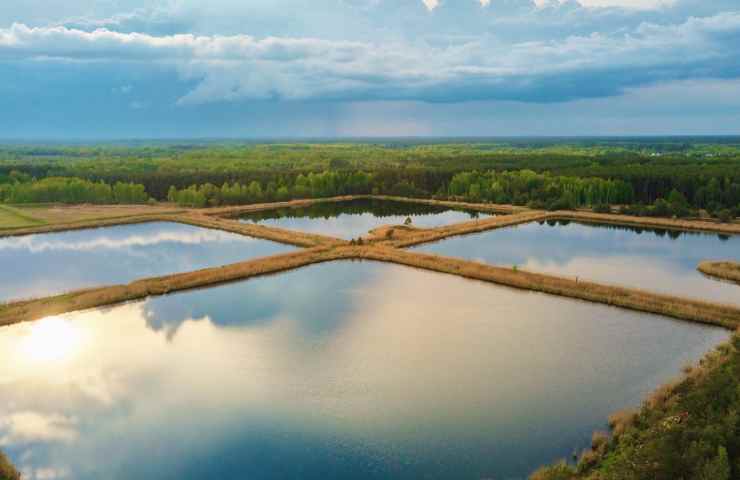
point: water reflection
(655, 260)
(405, 374)
(355, 218)
(48, 264)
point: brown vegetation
(324, 248)
(465, 228)
(7, 470)
(291, 237)
(724, 270)
(727, 316)
(97, 297)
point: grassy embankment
(57, 218)
(693, 310)
(638, 438)
(689, 429)
(727, 270)
(14, 218)
(324, 248)
(16, 312)
(291, 237)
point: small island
(725, 270)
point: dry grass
(291, 237)
(622, 420)
(325, 248)
(75, 213)
(648, 222)
(727, 270)
(16, 312)
(727, 316)
(84, 224)
(466, 228)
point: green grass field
(12, 218)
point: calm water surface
(655, 260)
(355, 218)
(342, 370)
(41, 265)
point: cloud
(242, 67)
(38, 244)
(32, 427)
(431, 4)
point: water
(355, 218)
(655, 260)
(341, 370)
(48, 264)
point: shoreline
(723, 270)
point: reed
(728, 270)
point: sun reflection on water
(52, 339)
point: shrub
(725, 215)
(7, 470)
(559, 471)
(602, 208)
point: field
(16, 218)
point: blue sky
(254, 68)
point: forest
(661, 177)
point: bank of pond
(663, 261)
(351, 369)
(346, 369)
(355, 218)
(47, 264)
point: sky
(114, 69)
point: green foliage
(559, 471)
(706, 174)
(7, 471)
(71, 190)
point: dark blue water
(355, 218)
(42, 265)
(655, 260)
(341, 370)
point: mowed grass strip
(13, 218)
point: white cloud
(236, 67)
(431, 4)
(633, 4)
(31, 427)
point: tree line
(72, 190)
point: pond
(354, 218)
(342, 370)
(662, 261)
(53, 263)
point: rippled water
(47, 264)
(355, 218)
(655, 260)
(342, 370)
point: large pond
(657, 260)
(341, 370)
(47, 264)
(354, 218)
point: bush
(559, 471)
(562, 203)
(725, 215)
(7, 470)
(602, 208)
